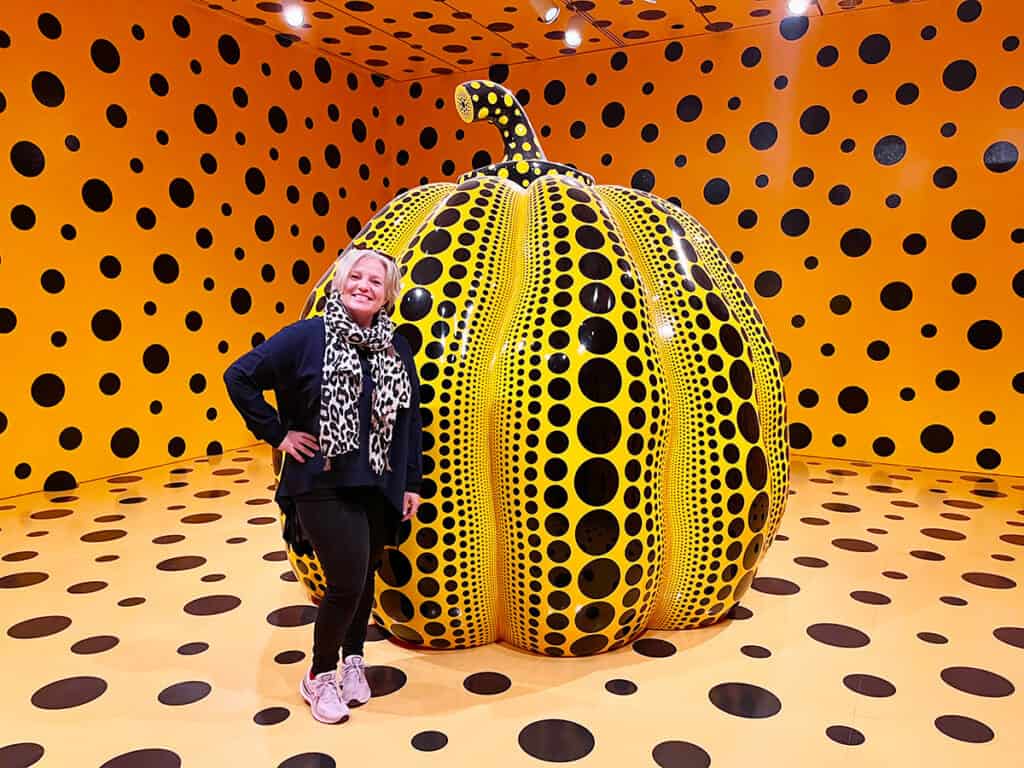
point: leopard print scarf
(343, 383)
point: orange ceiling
(411, 39)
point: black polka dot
(187, 692)
(556, 740)
(745, 700)
(680, 754)
(48, 89)
(963, 728)
(874, 49)
(429, 741)
(69, 692)
(105, 56)
(937, 438)
(959, 75)
(145, 758)
(487, 683)
(845, 734)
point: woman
(349, 424)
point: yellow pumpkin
(604, 424)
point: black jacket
(291, 363)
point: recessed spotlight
(546, 10)
(294, 16)
(797, 7)
(574, 32)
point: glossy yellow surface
(603, 409)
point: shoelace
(353, 668)
(327, 689)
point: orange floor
(151, 621)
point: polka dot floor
(152, 621)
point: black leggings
(347, 535)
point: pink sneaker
(354, 688)
(321, 693)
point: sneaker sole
(309, 700)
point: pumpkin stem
(485, 100)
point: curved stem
(484, 100)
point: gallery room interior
(707, 359)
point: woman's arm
(264, 367)
(414, 461)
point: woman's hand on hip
(410, 503)
(299, 444)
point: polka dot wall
(858, 168)
(171, 181)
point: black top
(291, 363)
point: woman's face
(363, 293)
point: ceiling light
(546, 10)
(294, 16)
(797, 7)
(574, 32)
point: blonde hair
(392, 278)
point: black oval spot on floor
(680, 754)
(755, 651)
(979, 682)
(838, 635)
(869, 685)
(620, 687)
(145, 758)
(212, 605)
(69, 692)
(41, 626)
(745, 700)
(557, 741)
(86, 588)
(26, 579)
(429, 741)
(183, 563)
(271, 716)
(384, 680)
(289, 657)
(309, 760)
(201, 517)
(191, 649)
(487, 683)
(292, 616)
(171, 538)
(964, 728)
(933, 637)
(1010, 635)
(844, 734)
(187, 692)
(810, 562)
(854, 545)
(653, 647)
(21, 755)
(990, 580)
(108, 535)
(871, 598)
(95, 644)
(775, 586)
(739, 612)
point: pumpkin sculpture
(604, 425)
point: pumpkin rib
(771, 394)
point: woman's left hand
(410, 504)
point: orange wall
(868, 379)
(116, 310)
(829, 350)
